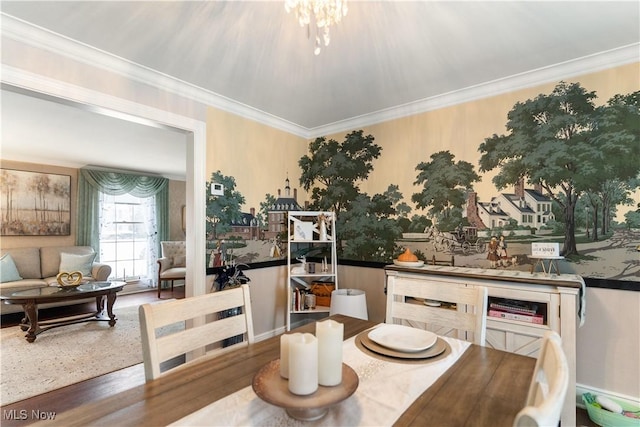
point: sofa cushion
(174, 273)
(179, 261)
(8, 269)
(50, 257)
(72, 262)
(21, 284)
(27, 261)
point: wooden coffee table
(30, 298)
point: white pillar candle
(284, 356)
(330, 336)
(303, 364)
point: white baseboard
(269, 334)
(581, 388)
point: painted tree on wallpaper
(332, 173)
(338, 168)
(263, 213)
(222, 211)
(445, 184)
(370, 228)
(571, 148)
(618, 127)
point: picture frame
(35, 203)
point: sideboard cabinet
(548, 302)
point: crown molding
(37, 85)
(41, 38)
(553, 73)
(27, 33)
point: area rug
(66, 355)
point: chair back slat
(549, 385)
(467, 320)
(174, 345)
(173, 311)
(195, 324)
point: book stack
(297, 299)
(515, 310)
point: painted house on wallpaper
(278, 211)
(245, 227)
(529, 207)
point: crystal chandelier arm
(325, 14)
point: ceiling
(385, 58)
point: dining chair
(193, 327)
(445, 309)
(548, 387)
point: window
(127, 234)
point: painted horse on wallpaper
(440, 238)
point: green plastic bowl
(605, 418)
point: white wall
(608, 347)
(268, 299)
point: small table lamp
(350, 302)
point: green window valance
(115, 183)
(92, 182)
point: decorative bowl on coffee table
(70, 280)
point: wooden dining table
(484, 387)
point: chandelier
(325, 13)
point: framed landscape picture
(35, 203)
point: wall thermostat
(217, 189)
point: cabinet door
(519, 336)
(514, 338)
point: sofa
(38, 267)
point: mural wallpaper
(561, 172)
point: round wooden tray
(273, 389)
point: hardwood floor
(109, 384)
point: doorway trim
(195, 133)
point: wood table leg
(24, 322)
(111, 299)
(99, 304)
(31, 310)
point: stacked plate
(408, 263)
(403, 342)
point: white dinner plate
(408, 263)
(403, 338)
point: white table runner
(385, 391)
